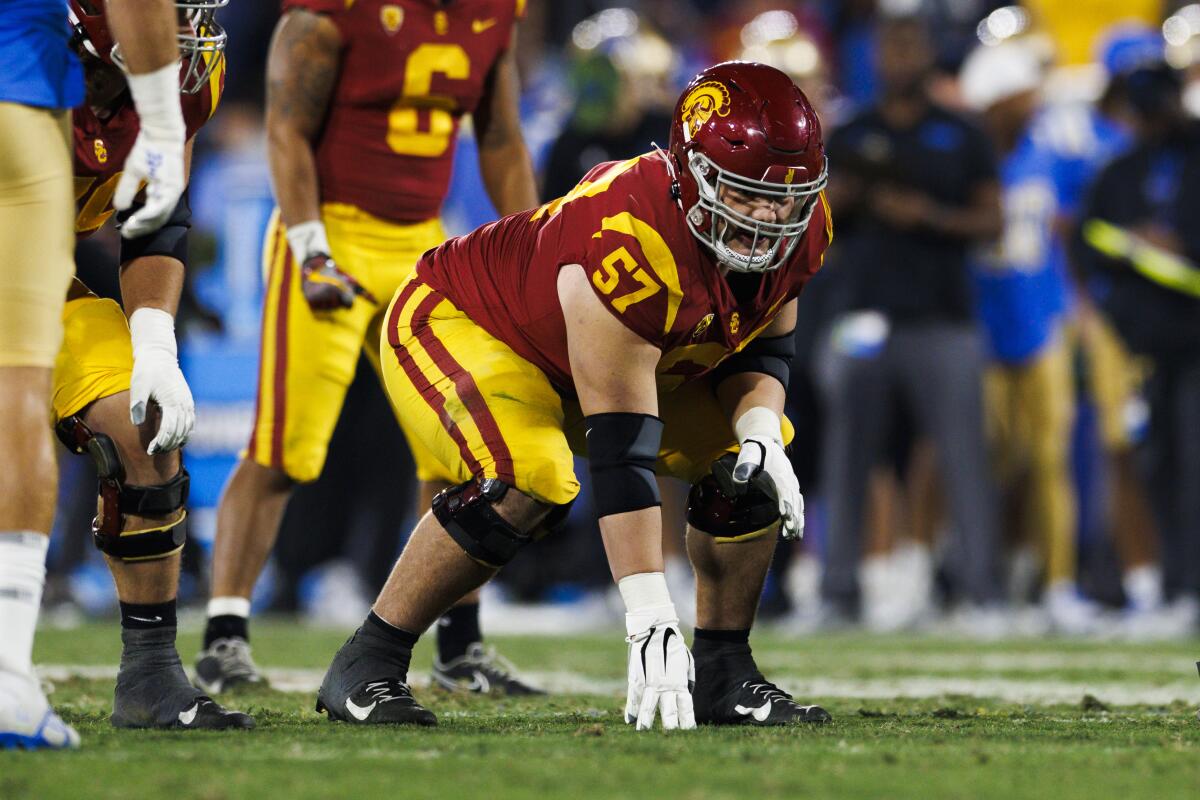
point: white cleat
(1070, 613)
(27, 722)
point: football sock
(22, 577)
(228, 618)
(396, 643)
(144, 616)
(457, 630)
(710, 645)
(378, 626)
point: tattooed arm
(301, 70)
(503, 158)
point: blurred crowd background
(998, 420)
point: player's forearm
(293, 174)
(633, 541)
(743, 391)
(302, 68)
(152, 282)
(146, 31)
(508, 176)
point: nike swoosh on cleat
(760, 714)
(188, 716)
(360, 713)
(479, 683)
(481, 25)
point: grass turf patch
(577, 746)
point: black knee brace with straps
(466, 512)
(729, 517)
(119, 499)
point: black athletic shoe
(481, 670)
(153, 691)
(226, 664)
(365, 685)
(207, 714)
(730, 690)
(757, 701)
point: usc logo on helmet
(710, 97)
(100, 150)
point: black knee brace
(466, 513)
(118, 499)
(730, 517)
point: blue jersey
(37, 67)
(1022, 282)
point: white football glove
(661, 669)
(763, 463)
(157, 377)
(157, 154)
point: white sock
(22, 576)
(229, 606)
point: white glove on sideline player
(661, 669)
(157, 377)
(157, 154)
(763, 462)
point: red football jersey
(102, 145)
(410, 70)
(629, 234)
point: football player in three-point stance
(107, 364)
(40, 80)
(364, 103)
(647, 318)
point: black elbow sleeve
(770, 356)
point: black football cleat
(481, 670)
(208, 715)
(226, 664)
(754, 701)
(153, 692)
(730, 690)
(365, 685)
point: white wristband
(152, 329)
(647, 602)
(761, 422)
(307, 239)
(156, 98)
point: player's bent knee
(727, 517)
(119, 499)
(469, 514)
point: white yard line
(1143, 664)
(813, 688)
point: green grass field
(914, 717)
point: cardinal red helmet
(201, 39)
(746, 129)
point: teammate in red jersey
(647, 318)
(101, 375)
(364, 105)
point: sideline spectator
(1141, 248)
(1022, 292)
(912, 186)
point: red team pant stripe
(281, 356)
(466, 387)
(426, 389)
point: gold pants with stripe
(96, 357)
(1030, 411)
(37, 239)
(484, 411)
(308, 358)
